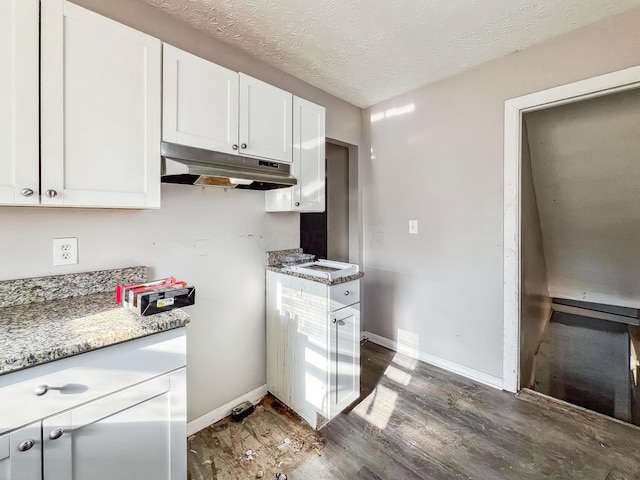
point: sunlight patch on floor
(397, 375)
(378, 407)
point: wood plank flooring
(415, 421)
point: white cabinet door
(200, 102)
(127, 436)
(309, 165)
(344, 368)
(265, 120)
(19, 155)
(100, 110)
(20, 454)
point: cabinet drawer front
(86, 377)
(344, 294)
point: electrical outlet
(413, 227)
(65, 251)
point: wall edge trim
(453, 367)
(202, 422)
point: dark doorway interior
(326, 234)
(313, 233)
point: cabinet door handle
(56, 433)
(335, 320)
(52, 193)
(346, 292)
(234, 146)
(27, 192)
(244, 145)
(41, 390)
(26, 445)
(297, 204)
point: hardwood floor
(416, 421)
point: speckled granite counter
(274, 264)
(47, 330)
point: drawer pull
(41, 390)
(346, 292)
(26, 445)
(56, 433)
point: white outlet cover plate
(413, 227)
(65, 251)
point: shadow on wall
(381, 298)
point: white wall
(586, 171)
(535, 309)
(438, 158)
(211, 237)
(337, 202)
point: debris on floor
(262, 445)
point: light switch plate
(413, 227)
(65, 251)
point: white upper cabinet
(309, 163)
(208, 106)
(19, 154)
(265, 120)
(100, 111)
(199, 102)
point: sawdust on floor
(272, 439)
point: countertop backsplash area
(274, 257)
(56, 287)
(274, 264)
(49, 318)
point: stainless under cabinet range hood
(196, 166)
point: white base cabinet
(135, 432)
(20, 454)
(313, 345)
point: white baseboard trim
(431, 359)
(219, 413)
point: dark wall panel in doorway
(313, 233)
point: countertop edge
(325, 281)
(73, 350)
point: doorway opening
(571, 211)
(327, 234)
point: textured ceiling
(366, 51)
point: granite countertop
(274, 264)
(54, 328)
